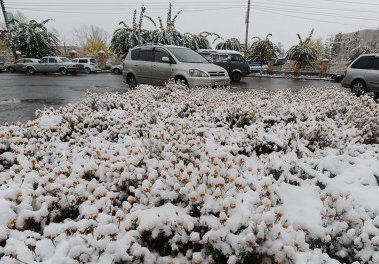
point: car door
(237, 62)
(372, 76)
(18, 66)
(53, 65)
(143, 67)
(161, 71)
(43, 65)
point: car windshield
(93, 61)
(65, 59)
(187, 55)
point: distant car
(116, 69)
(362, 75)
(90, 64)
(230, 60)
(255, 66)
(20, 65)
(52, 64)
(2, 67)
(280, 61)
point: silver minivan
(155, 64)
(362, 75)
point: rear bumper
(81, 69)
(205, 81)
(345, 83)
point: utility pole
(5, 14)
(247, 23)
(7, 25)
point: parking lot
(21, 95)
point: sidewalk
(301, 77)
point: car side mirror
(166, 59)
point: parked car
(362, 75)
(20, 65)
(116, 69)
(230, 60)
(90, 64)
(2, 67)
(54, 64)
(280, 61)
(155, 64)
(255, 66)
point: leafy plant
(230, 44)
(355, 53)
(263, 49)
(32, 39)
(198, 41)
(127, 37)
(303, 53)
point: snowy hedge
(206, 176)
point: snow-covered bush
(202, 176)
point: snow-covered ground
(207, 176)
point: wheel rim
(63, 71)
(132, 82)
(116, 71)
(358, 88)
(236, 77)
(31, 70)
(88, 70)
(11, 70)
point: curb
(290, 77)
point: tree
(94, 46)
(328, 48)
(355, 53)
(198, 41)
(127, 37)
(352, 43)
(32, 39)
(264, 50)
(168, 35)
(337, 45)
(230, 44)
(90, 33)
(303, 53)
(281, 51)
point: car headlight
(197, 73)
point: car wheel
(87, 70)
(358, 87)
(181, 80)
(116, 71)
(236, 77)
(31, 70)
(131, 81)
(63, 71)
(11, 70)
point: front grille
(215, 73)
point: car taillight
(77, 65)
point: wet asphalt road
(21, 95)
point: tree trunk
(270, 66)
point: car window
(19, 62)
(93, 61)
(52, 60)
(219, 57)
(135, 54)
(146, 55)
(363, 63)
(44, 60)
(28, 61)
(236, 57)
(187, 55)
(376, 63)
(159, 54)
(83, 61)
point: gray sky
(282, 18)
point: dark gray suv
(230, 60)
(362, 75)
